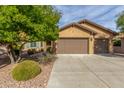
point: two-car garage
(84, 37)
(81, 46)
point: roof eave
(78, 25)
(102, 27)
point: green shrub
(48, 58)
(41, 50)
(31, 51)
(45, 59)
(50, 50)
(26, 70)
(116, 42)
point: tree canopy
(27, 23)
(120, 22)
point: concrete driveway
(80, 71)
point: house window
(33, 44)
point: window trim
(35, 43)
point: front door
(101, 46)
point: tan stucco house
(85, 37)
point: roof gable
(98, 26)
(78, 25)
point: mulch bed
(40, 81)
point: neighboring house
(119, 49)
(85, 37)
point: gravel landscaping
(6, 80)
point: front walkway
(82, 71)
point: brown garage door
(72, 46)
(101, 46)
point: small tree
(21, 24)
(116, 42)
(120, 22)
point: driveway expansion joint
(96, 75)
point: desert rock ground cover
(6, 80)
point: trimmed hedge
(26, 70)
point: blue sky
(104, 15)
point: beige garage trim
(73, 46)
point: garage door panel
(72, 46)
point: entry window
(33, 44)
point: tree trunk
(11, 54)
(20, 51)
(18, 59)
(12, 59)
(54, 47)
